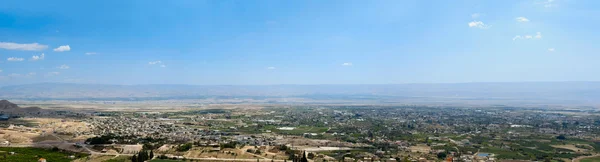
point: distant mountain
(573, 92)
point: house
(5, 143)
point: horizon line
(331, 84)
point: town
(319, 133)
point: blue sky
(298, 42)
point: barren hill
(8, 107)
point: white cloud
(548, 3)
(550, 49)
(52, 74)
(160, 63)
(271, 68)
(63, 67)
(476, 15)
(16, 75)
(90, 53)
(517, 37)
(23, 47)
(538, 35)
(478, 24)
(155, 62)
(14, 59)
(40, 57)
(62, 48)
(522, 19)
(347, 64)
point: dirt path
(583, 157)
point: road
(226, 159)
(583, 157)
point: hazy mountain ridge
(578, 91)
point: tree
(441, 155)
(134, 158)
(561, 137)
(304, 159)
(151, 154)
(163, 156)
(184, 147)
(142, 156)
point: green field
(33, 154)
(592, 159)
(163, 160)
(120, 159)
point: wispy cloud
(547, 3)
(14, 59)
(522, 19)
(154, 62)
(63, 67)
(40, 57)
(62, 48)
(538, 35)
(347, 64)
(54, 73)
(271, 68)
(478, 24)
(90, 53)
(550, 49)
(160, 63)
(476, 15)
(17, 75)
(0, 70)
(23, 47)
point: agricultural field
(592, 159)
(34, 154)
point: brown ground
(571, 147)
(420, 148)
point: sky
(260, 42)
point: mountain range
(571, 92)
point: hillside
(8, 107)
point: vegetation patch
(27, 154)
